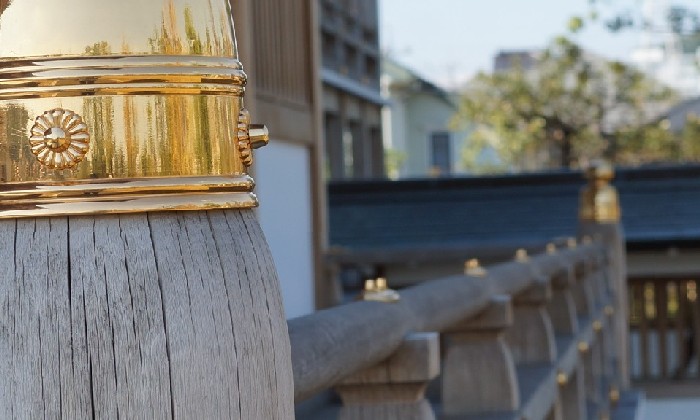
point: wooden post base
(476, 349)
(394, 389)
(161, 315)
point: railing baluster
(681, 329)
(695, 318)
(475, 349)
(572, 395)
(661, 301)
(562, 310)
(562, 306)
(641, 297)
(395, 388)
(590, 347)
(531, 338)
(583, 292)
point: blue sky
(448, 41)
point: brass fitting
(599, 200)
(614, 394)
(122, 118)
(379, 291)
(521, 255)
(597, 326)
(562, 378)
(473, 268)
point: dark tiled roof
(658, 204)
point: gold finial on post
(571, 243)
(599, 201)
(521, 255)
(614, 394)
(473, 268)
(562, 378)
(377, 290)
(551, 248)
(597, 326)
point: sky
(448, 41)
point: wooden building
(352, 102)
(278, 44)
(313, 71)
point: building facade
(349, 38)
(419, 137)
(278, 46)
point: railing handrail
(334, 343)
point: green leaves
(575, 24)
(562, 112)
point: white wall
(284, 190)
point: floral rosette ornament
(59, 139)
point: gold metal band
(126, 196)
(160, 185)
(121, 75)
(127, 204)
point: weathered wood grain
(395, 388)
(476, 348)
(162, 315)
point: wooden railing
(536, 338)
(665, 328)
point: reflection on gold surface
(131, 136)
(126, 204)
(120, 75)
(599, 201)
(40, 28)
(114, 187)
(159, 89)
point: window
(348, 153)
(329, 48)
(440, 152)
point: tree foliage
(567, 108)
(616, 16)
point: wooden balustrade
(665, 326)
(532, 339)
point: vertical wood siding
(282, 54)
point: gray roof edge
(341, 82)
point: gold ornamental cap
(599, 201)
(600, 170)
(122, 106)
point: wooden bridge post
(562, 310)
(599, 218)
(135, 281)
